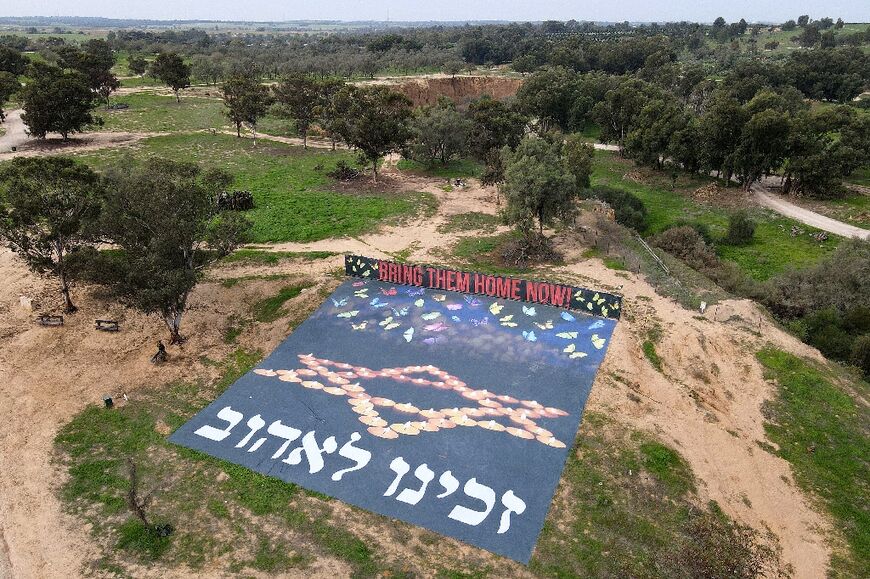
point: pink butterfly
(358, 283)
(454, 307)
(436, 327)
(389, 292)
(432, 340)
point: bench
(107, 326)
(49, 320)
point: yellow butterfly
(367, 273)
(567, 335)
(348, 314)
(361, 326)
(597, 342)
(389, 324)
(573, 353)
(431, 316)
(439, 297)
(363, 293)
(508, 322)
(604, 311)
(496, 308)
(419, 303)
(548, 325)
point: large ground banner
(447, 410)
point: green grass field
(455, 169)
(773, 250)
(819, 422)
(292, 192)
(157, 113)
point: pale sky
(445, 10)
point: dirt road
(767, 199)
(15, 135)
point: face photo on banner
(448, 410)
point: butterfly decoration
(578, 295)
(432, 340)
(439, 297)
(389, 292)
(367, 273)
(456, 318)
(415, 291)
(409, 334)
(481, 322)
(454, 307)
(377, 303)
(388, 323)
(400, 313)
(567, 335)
(530, 336)
(598, 299)
(419, 303)
(348, 315)
(596, 325)
(496, 308)
(363, 293)
(530, 311)
(359, 283)
(567, 317)
(548, 325)
(436, 327)
(597, 341)
(604, 311)
(431, 316)
(361, 326)
(508, 321)
(472, 301)
(572, 352)
(339, 303)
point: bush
(860, 356)
(685, 243)
(741, 229)
(629, 209)
(825, 331)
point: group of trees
(160, 217)
(753, 124)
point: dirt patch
(460, 89)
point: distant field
(292, 195)
(773, 250)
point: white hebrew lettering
(354, 453)
(218, 434)
(478, 491)
(449, 482)
(412, 497)
(282, 431)
(313, 452)
(401, 468)
(255, 423)
(514, 504)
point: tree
(762, 146)
(246, 100)
(536, 186)
(721, 126)
(839, 24)
(656, 124)
(12, 61)
(9, 85)
(298, 97)
(47, 204)
(170, 69)
(579, 156)
(57, 101)
(620, 108)
(453, 67)
(137, 64)
(95, 62)
(494, 125)
(789, 25)
(373, 120)
(810, 36)
(803, 20)
(327, 113)
(548, 95)
(438, 133)
(160, 215)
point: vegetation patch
(471, 221)
(819, 422)
(270, 309)
(454, 169)
(151, 112)
(266, 257)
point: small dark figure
(160, 356)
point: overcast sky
(611, 10)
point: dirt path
(811, 218)
(15, 135)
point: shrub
(860, 356)
(685, 243)
(825, 331)
(741, 229)
(629, 209)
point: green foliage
(246, 100)
(579, 156)
(536, 186)
(439, 133)
(741, 229)
(143, 541)
(171, 70)
(629, 209)
(47, 206)
(299, 98)
(494, 125)
(649, 350)
(667, 465)
(57, 101)
(821, 430)
(860, 354)
(270, 309)
(9, 85)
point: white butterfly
(361, 326)
(567, 335)
(597, 342)
(439, 297)
(572, 350)
(530, 336)
(496, 308)
(548, 325)
(348, 314)
(530, 311)
(419, 303)
(409, 334)
(431, 316)
(567, 317)
(508, 322)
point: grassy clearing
(471, 221)
(455, 169)
(292, 196)
(821, 427)
(140, 82)
(158, 113)
(480, 253)
(773, 249)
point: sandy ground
(706, 403)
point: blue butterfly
(596, 325)
(377, 303)
(400, 313)
(416, 292)
(568, 317)
(472, 301)
(339, 303)
(483, 322)
(530, 336)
